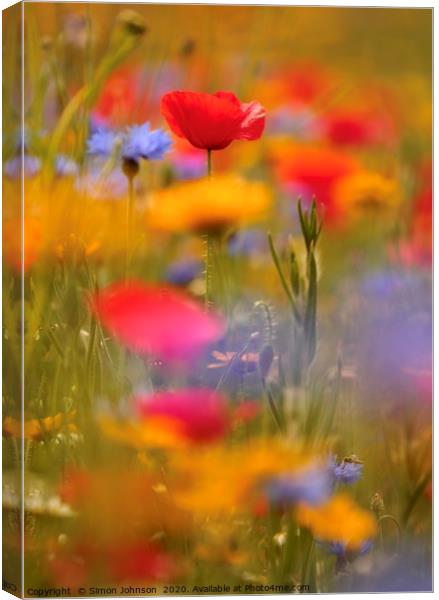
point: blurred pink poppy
(201, 415)
(154, 319)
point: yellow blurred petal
(338, 520)
(159, 432)
(209, 204)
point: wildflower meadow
(217, 299)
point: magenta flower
(201, 415)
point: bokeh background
(348, 99)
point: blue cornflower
(31, 166)
(65, 167)
(28, 163)
(346, 471)
(247, 242)
(136, 142)
(342, 554)
(389, 285)
(102, 142)
(183, 272)
(339, 548)
(312, 486)
(142, 142)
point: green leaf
(283, 281)
(294, 274)
(311, 308)
(303, 217)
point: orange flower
(313, 171)
(37, 428)
(365, 194)
(12, 246)
(213, 204)
(99, 496)
(338, 520)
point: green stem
(395, 521)
(209, 163)
(86, 94)
(283, 280)
(129, 223)
(208, 256)
(273, 408)
(415, 497)
(208, 250)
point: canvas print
(217, 299)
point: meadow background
(294, 446)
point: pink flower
(154, 319)
(201, 415)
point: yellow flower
(366, 194)
(223, 480)
(338, 520)
(36, 428)
(65, 223)
(209, 204)
(157, 432)
(221, 542)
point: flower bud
(130, 167)
(132, 22)
(377, 504)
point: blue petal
(31, 166)
(102, 143)
(65, 167)
(141, 142)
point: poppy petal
(253, 123)
(155, 319)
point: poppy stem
(209, 163)
(208, 256)
(208, 250)
(129, 222)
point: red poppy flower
(350, 127)
(68, 570)
(122, 99)
(247, 411)
(314, 171)
(75, 485)
(200, 414)
(155, 319)
(212, 121)
(305, 82)
(417, 250)
(141, 562)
